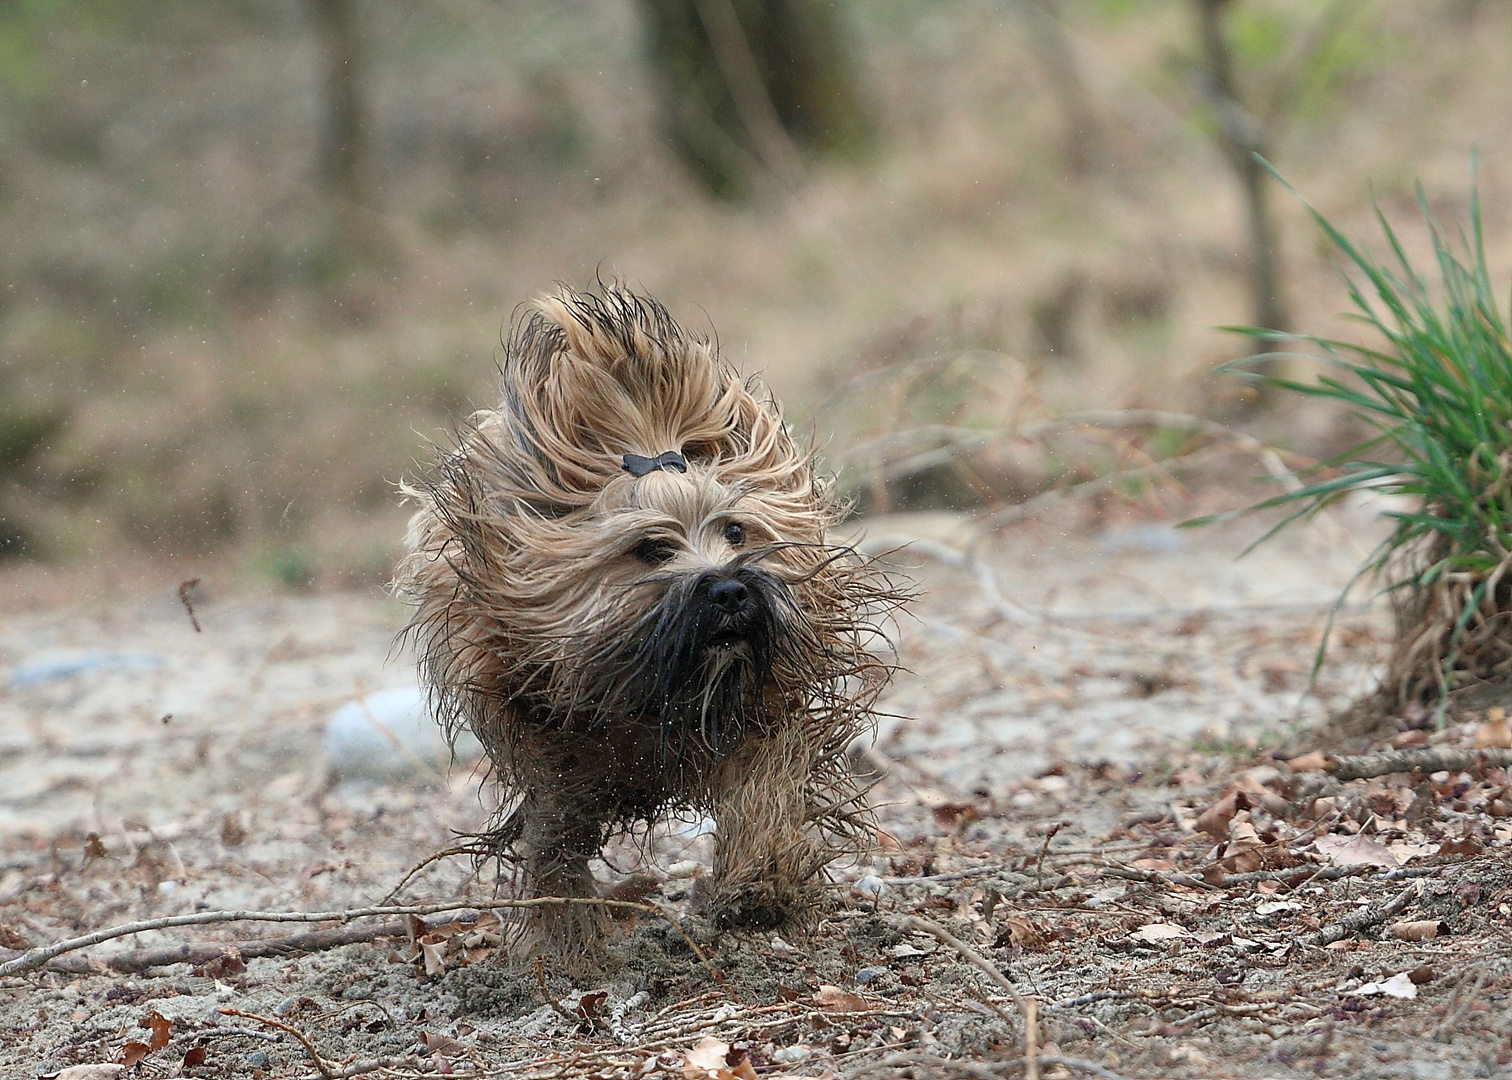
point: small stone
(866, 975)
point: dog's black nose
(729, 594)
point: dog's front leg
(767, 860)
(558, 838)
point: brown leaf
(1215, 819)
(743, 1069)
(1312, 762)
(94, 849)
(1465, 845)
(1420, 930)
(1357, 850)
(161, 1027)
(708, 1056)
(1020, 933)
(227, 963)
(132, 1053)
(953, 816)
(433, 954)
(592, 1005)
(195, 1055)
(1494, 732)
(436, 1043)
(833, 999)
(91, 1072)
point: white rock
(391, 735)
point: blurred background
(254, 254)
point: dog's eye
(734, 534)
(655, 551)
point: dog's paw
(757, 905)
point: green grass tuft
(1438, 393)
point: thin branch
(202, 952)
(33, 959)
(976, 959)
(748, 91)
(1363, 919)
(1428, 759)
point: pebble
(57, 666)
(871, 885)
(391, 735)
(866, 975)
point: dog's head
(631, 536)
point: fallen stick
(1429, 759)
(1363, 919)
(32, 959)
(1156, 877)
(1027, 1007)
(202, 952)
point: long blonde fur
(523, 573)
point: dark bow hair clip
(638, 466)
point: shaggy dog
(622, 588)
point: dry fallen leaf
(1158, 931)
(708, 1056)
(1020, 933)
(1398, 986)
(833, 999)
(90, 1072)
(195, 1055)
(131, 1053)
(1357, 850)
(161, 1027)
(1215, 819)
(1420, 930)
(1272, 907)
(592, 1005)
(434, 954)
(1494, 732)
(1312, 762)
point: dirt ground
(1083, 779)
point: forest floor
(1094, 777)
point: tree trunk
(343, 131)
(750, 88)
(1244, 142)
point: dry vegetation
(1104, 850)
(195, 363)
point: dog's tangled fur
(625, 646)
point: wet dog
(622, 587)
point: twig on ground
(202, 952)
(327, 1069)
(617, 1013)
(1429, 759)
(436, 856)
(32, 959)
(1157, 877)
(1363, 919)
(1031, 1039)
(551, 999)
(987, 967)
(1442, 1032)
(1039, 863)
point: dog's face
(692, 615)
(631, 537)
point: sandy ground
(1044, 763)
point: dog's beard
(702, 674)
